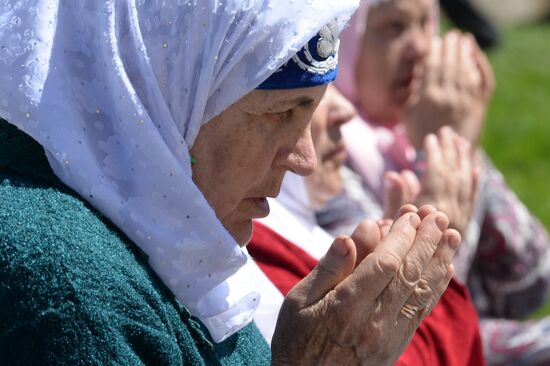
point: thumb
(332, 269)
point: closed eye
(302, 103)
(393, 29)
(283, 115)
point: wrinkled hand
(457, 86)
(347, 310)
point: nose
(300, 157)
(419, 43)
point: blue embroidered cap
(315, 64)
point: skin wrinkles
(248, 148)
(333, 111)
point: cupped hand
(367, 234)
(350, 310)
(457, 86)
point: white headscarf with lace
(116, 92)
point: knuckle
(411, 271)
(344, 295)
(377, 325)
(291, 303)
(387, 264)
(425, 291)
(406, 285)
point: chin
(242, 232)
(387, 111)
(392, 115)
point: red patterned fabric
(449, 336)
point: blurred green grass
(517, 131)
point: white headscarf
(116, 92)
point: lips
(259, 207)
(407, 80)
(338, 154)
(406, 86)
(410, 78)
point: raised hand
(365, 312)
(449, 179)
(399, 189)
(457, 86)
(367, 234)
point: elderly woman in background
(288, 244)
(141, 140)
(407, 85)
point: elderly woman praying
(140, 140)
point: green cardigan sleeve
(74, 290)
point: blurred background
(517, 132)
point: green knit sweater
(75, 290)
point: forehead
(402, 7)
(269, 99)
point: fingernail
(414, 220)
(339, 247)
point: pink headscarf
(365, 143)
(372, 149)
(350, 40)
(350, 45)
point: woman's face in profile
(333, 111)
(243, 153)
(391, 63)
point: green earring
(193, 160)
